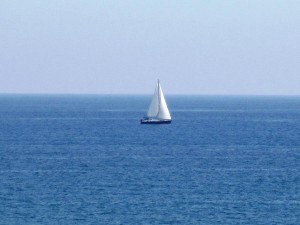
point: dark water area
(85, 159)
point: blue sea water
(85, 159)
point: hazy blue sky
(194, 47)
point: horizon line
(142, 94)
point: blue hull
(143, 121)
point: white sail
(158, 107)
(153, 108)
(163, 112)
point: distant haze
(123, 47)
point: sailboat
(158, 111)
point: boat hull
(145, 121)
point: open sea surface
(85, 159)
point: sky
(219, 47)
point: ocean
(86, 159)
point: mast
(158, 96)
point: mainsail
(158, 107)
